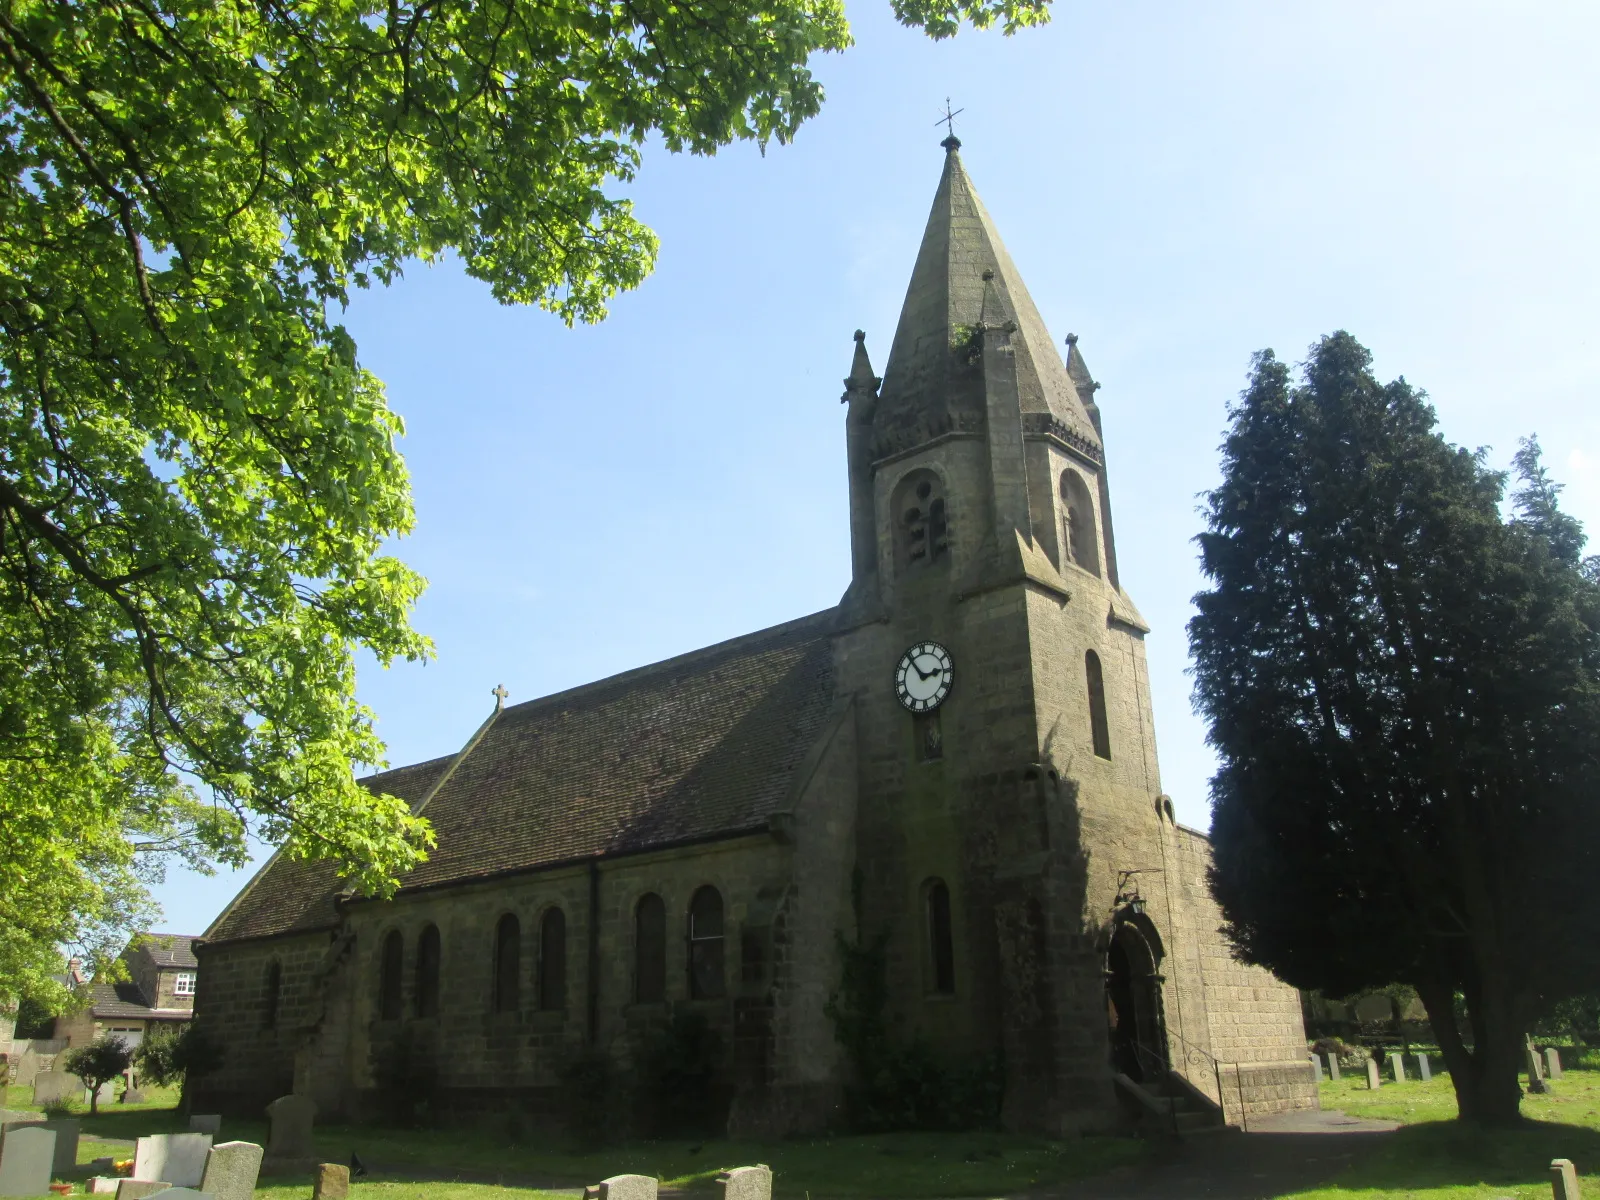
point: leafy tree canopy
(196, 474)
(1401, 684)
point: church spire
(932, 382)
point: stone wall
(1254, 1020)
(327, 1036)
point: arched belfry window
(706, 979)
(650, 950)
(391, 963)
(1099, 728)
(922, 521)
(428, 972)
(941, 943)
(553, 960)
(1077, 506)
(507, 963)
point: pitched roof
(125, 1000)
(169, 949)
(931, 383)
(698, 746)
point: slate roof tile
(695, 747)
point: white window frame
(183, 984)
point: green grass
(1434, 1158)
(507, 1164)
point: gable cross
(500, 695)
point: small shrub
(59, 1110)
(589, 1098)
(97, 1063)
(680, 1068)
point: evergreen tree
(1401, 685)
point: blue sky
(1180, 185)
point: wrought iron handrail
(1198, 1059)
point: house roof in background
(169, 949)
(702, 745)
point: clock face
(923, 676)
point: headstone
(183, 1193)
(206, 1123)
(1424, 1067)
(1535, 1074)
(67, 1132)
(52, 1087)
(175, 1158)
(1564, 1179)
(330, 1182)
(133, 1096)
(26, 1155)
(231, 1170)
(1333, 1066)
(623, 1187)
(747, 1183)
(291, 1118)
(1373, 1081)
(138, 1189)
(1552, 1062)
(103, 1185)
(1316, 1068)
(1397, 1066)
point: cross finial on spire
(499, 695)
(951, 141)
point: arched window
(553, 960)
(271, 990)
(706, 981)
(507, 963)
(1098, 727)
(389, 968)
(922, 521)
(428, 972)
(650, 950)
(1082, 542)
(941, 946)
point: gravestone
(1535, 1074)
(26, 1155)
(1333, 1067)
(206, 1123)
(138, 1189)
(133, 1096)
(1424, 1067)
(1374, 1081)
(330, 1182)
(1316, 1068)
(103, 1185)
(66, 1132)
(1564, 1179)
(291, 1117)
(231, 1170)
(175, 1158)
(1397, 1066)
(623, 1187)
(52, 1087)
(747, 1183)
(1552, 1062)
(183, 1193)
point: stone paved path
(1281, 1154)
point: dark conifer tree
(1401, 685)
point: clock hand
(921, 674)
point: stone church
(959, 758)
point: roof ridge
(662, 666)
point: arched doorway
(1136, 1025)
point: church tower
(1013, 841)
